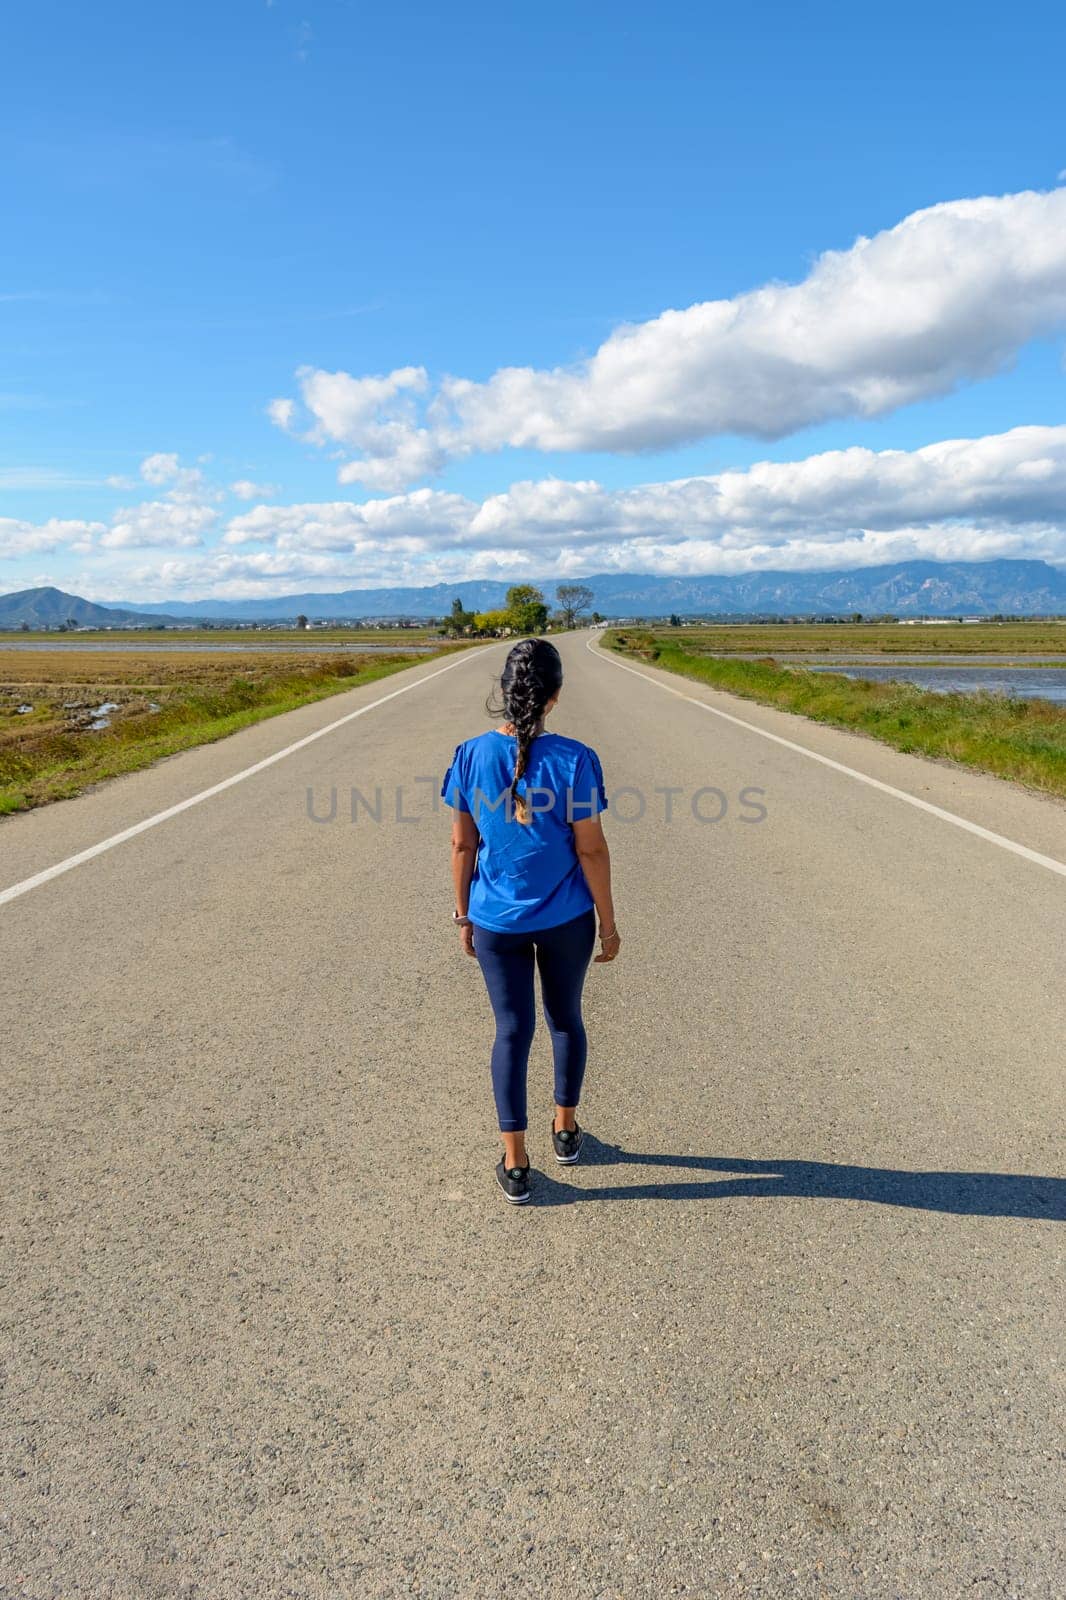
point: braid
(525, 707)
(532, 674)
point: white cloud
(159, 523)
(245, 489)
(281, 413)
(1003, 494)
(343, 406)
(423, 519)
(178, 520)
(18, 538)
(1017, 478)
(183, 484)
(401, 455)
(375, 415)
(946, 296)
(962, 499)
(226, 575)
(160, 468)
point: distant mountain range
(904, 589)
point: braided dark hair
(531, 676)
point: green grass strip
(1024, 740)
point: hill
(48, 608)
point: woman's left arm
(464, 853)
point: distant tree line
(525, 610)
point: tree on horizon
(574, 599)
(458, 620)
(526, 608)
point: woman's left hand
(466, 938)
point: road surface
(794, 1328)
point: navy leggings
(562, 956)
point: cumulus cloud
(245, 489)
(400, 455)
(18, 538)
(179, 518)
(375, 415)
(1017, 478)
(425, 517)
(343, 406)
(946, 296)
(281, 413)
(160, 468)
(251, 574)
(162, 524)
(960, 498)
(182, 484)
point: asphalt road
(794, 1328)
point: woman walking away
(531, 871)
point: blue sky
(201, 201)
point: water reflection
(1045, 683)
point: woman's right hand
(466, 938)
(610, 944)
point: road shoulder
(1034, 820)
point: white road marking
(838, 766)
(60, 867)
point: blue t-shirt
(527, 875)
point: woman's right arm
(595, 858)
(464, 855)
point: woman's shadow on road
(976, 1194)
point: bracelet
(612, 935)
(460, 922)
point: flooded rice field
(1043, 681)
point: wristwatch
(460, 922)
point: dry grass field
(70, 718)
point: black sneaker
(514, 1181)
(567, 1144)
